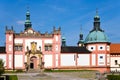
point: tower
(63, 41)
(97, 42)
(10, 48)
(27, 22)
(80, 42)
(57, 47)
(96, 23)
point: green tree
(1, 67)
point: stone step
(33, 70)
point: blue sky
(70, 15)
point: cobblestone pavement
(46, 76)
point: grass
(10, 72)
(13, 77)
(15, 71)
(113, 77)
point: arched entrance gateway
(33, 62)
(33, 57)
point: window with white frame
(101, 47)
(10, 47)
(101, 57)
(56, 47)
(10, 38)
(56, 38)
(116, 62)
(108, 48)
(18, 47)
(91, 48)
(48, 47)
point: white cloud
(20, 22)
(57, 8)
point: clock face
(30, 31)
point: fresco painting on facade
(34, 50)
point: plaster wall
(84, 59)
(48, 60)
(67, 60)
(18, 60)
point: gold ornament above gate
(33, 47)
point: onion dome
(96, 34)
(80, 42)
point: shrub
(113, 77)
(48, 70)
(19, 70)
(13, 77)
(2, 70)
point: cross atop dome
(97, 16)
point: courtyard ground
(84, 75)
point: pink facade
(54, 57)
(101, 51)
(34, 50)
(16, 47)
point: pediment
(30, 31)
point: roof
(2, 49)
(74, 49)
(115, 48)
(96, 36)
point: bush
(13, 77)
(113, 77)
(2, 70)
(48, 70)
(19, 70)
(4, 77)
(1, 78)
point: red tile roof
(115, 48)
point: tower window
(101, 57)
(91, 47)
(10, 38)
(108, 48)
(116, 62)
(101, 47)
